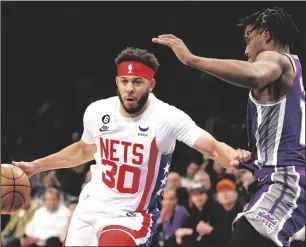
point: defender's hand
(176, 44)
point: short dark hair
(138, 55)
(277, 21)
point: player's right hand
(177, 45)
(29, 168)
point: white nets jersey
(134, 154)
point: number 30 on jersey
(110, 158)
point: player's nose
(246, 52)
(129, 87)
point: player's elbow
(256, 80)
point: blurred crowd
(203, 197)
(44, 220)
(205, 202)
(202, 202)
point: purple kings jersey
(276, 130)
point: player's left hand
(176, 44)
(238, 156)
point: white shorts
(87, 223)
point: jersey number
(302, 135)
(109, 177)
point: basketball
(15, 189)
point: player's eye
(137, 81)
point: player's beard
(140, 103)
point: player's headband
(135, 68)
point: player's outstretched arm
(220, 152)
(178, 125)
(73, 155)
(267, 68)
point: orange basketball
(15, 189)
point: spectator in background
(87, 178)
(216, 173)
(204, 164)
(166, 230)
(234, 172)
(71, 205)
(174, 182)
(71, 180)
(203, 178)
(15, 229)
(245, 179)
(192, 168)
(48, 182)
(48, 224)
(199, 212)
(223, 214)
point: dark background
(57, 57)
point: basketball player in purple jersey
(276, 125)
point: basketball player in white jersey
(132, 137)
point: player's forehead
(131, 77)
(249, 30)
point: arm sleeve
(87, 135)
(180, 126)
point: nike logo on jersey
(104, 128)
(143, 129)
(262, 179)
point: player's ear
(267, 35)
(117, 80)
(152, 84)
